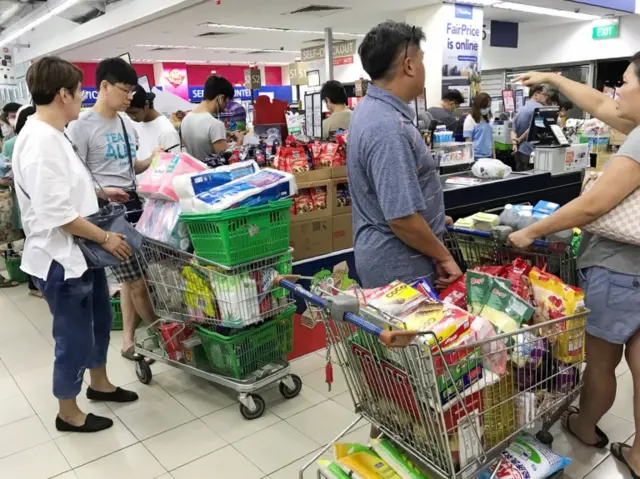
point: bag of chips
(456, 293)
(505, 310)
(516, 273)
(478, 287)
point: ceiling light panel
(281, 30)
(229, 49)
(519, 7)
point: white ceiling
(182, 28)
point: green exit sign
(605, 29)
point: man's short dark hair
(454, 96)
(384, 42)
(566, 104)
(334, 91)
(11, 107)
(536, 89)
(47, 76)
(115, 70)
(217, 85)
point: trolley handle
(391, 339)
(490, 235)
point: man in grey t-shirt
(202, 133)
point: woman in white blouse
(56, 193)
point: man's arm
(141, 166)
(218, 136)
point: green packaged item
(479, 286)
(398, 461)
(505, 310)
(332, 470)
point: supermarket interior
(348, 239)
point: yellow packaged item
(485, 221)
(198, 295)
(364, 465)
(555, 300)
(465, 223)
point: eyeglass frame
(130, 92)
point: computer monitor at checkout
(544, 129)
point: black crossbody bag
(111, 217)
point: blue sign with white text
(196, 93)
(464, 11)
(628, 6)
(89, 95)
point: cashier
(538, 97)
(477, 127)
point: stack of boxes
(315, 230)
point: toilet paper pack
(157, 181)
(188, 186)
(254, 190)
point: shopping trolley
(453, 410)
(242, 320)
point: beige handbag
(622, 223)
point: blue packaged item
(546, 207)
(539, 216)
(188, 186)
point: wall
(567, 43)
(89, 72)
(197, 74)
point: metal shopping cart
(229, 325)
(454, 410)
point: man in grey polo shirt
(398, 202)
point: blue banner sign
(89, 95)
(196, 93)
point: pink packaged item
(157, 181)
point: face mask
(485, 111)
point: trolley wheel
(288, 393)
(143, 371)
(545, 437)
(257, 411)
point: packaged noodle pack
(505, 310)
(555, 300)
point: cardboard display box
(316, 214)
(311, 238)
(339, 172)
(337, 209)
(319, 174)
(342, 232)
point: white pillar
(263, 75)
(431, 19)
(157, 73)
(328, 53)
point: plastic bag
(488, 168)
(527, 458)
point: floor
(183, 428)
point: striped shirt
(392, 175)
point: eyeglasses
(406, 49)
(129, 91)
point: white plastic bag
(488, 168)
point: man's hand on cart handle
(521, 239)
(448, 273)
(448, 220)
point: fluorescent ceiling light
(275, 29)
(201, 62)
(519, 7)
(229, 49)
(57, 10)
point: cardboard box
(342, 232)
(337, 209)
(339, 172)
(316, 214)
(311, 238)
(319, 174)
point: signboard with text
(196, 93)
(298, 73)
(252, 78)
(340, 49)
(606, 28)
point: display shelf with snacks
(453, 154)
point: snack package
(505, 310)
(333, 154)
(331, 470)
(365, 465)
(479, 285)
(302, 202)
(527, 458)
(157, 181)
(456, 294)
(448, 324)
(173, 336)
(319, 197)
(426, 289)
(526, 350)
(395, 298)
(253, 190)
(494, 353)
(188, 186)
(554, 300)
(516, 273)
(398, 461)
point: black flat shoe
(119, 395)
(91, 424)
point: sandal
(4, 283)
(616, 451)
(36, 293)
(603, 440)
(131, 355)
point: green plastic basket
(241, 235)
(117, 314)
(239, 355)
(14, 271)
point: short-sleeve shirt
(199, 132)
(58, 190)
(521, 123)
(339, 120)
(103, 144)
(392, 175)
(612, 255)
(482, 136)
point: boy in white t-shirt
(154, 129)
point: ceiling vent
(162, 49)
(317, 10)
(215, 34)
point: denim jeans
(82, 320)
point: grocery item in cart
(157, 181)
(448, 325)
(237, 298)
(160, 221)
(528, 458)
(526, 350)
(188, 186)
(456, 294)
(331, 470)
(362, 463)
(505, 310)
(479, 287)
(173, 334)
(555, 300)
(398, 461)
(517, 274)
(253, 190)
(199, 295)
(397, 298)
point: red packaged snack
(173, 338)
(316, 152)
(456, 294)
(303, 202)
(492, 270)
(517, 273)
(319, 197)
(333, 154)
